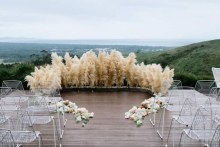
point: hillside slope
(192, 62)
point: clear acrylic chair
(15, 85)
(22, 131)
(17, 94)
(5, 91)
(215, 141)
(6, 139)
(174, 85)
(52, 97)
(4, 118)
(204, 86)
(215, 93)
(12, 102)
(186, 116)
(174, 95)
(40, 114)
(175, 102)
(10, 105)
(5, 122)
(202, 128)
(216, 74)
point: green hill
(191, 63)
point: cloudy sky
(110, 19)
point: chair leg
(162, 127)
(153, 121)
(59, 125)
(181, 138)
(54, 132)
(171, 124)
(64, 120)
(40, 140)
(154, 115)
(58, 134)
(174, 129)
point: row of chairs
(210, 86)
(21, 114)
(187, 106)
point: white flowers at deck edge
(148, 106)
(136, 114)
(81, 114)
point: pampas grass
(130, 69)
(105, 70)
(44, 77)
(102, 68)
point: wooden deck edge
(106, 89)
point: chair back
(176, 83)
(5, 91)
(14, 84)
(3, 118)
(216, 74)
(215, 142)
(204, 86)
(6, 139)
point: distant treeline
(22, 52)
(18, 71)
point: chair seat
(24, 136)
(9, 107)
(200, 134)
(186, 120)
(4, 119)
(37, 109)
(14, 99)
(174, 107)
(163, 99)
(53, 99)
(50, 108)
(40, 119)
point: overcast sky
(110, 19)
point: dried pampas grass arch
(105, 70)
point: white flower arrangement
(81, 114)
(137, 113)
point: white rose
(78, 119)
(127, 115)
(139, 122)
(91, 115)
(59, 104)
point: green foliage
(192, 62)
(187, 78)
(19, 52)
(18, 71)
(15, 72)
(40, 59)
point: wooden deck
(108, 128)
